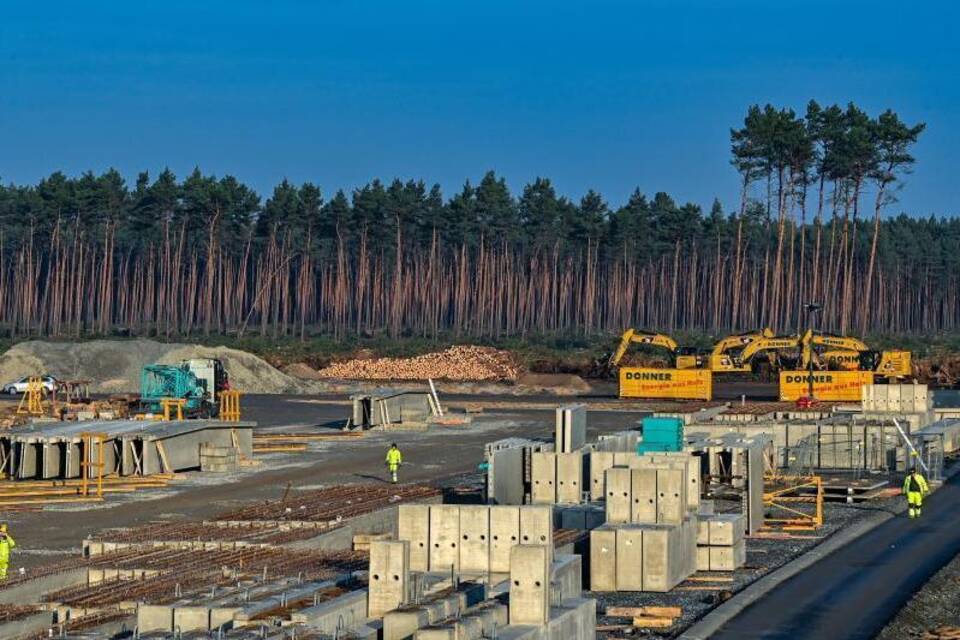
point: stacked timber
(464, 363)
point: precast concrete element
(569, 477)
(485, 621)
(573, 619)
(536, 525)
(603, 559)
(728, 558)
(474, 538)
(703, 558)
(619, 489)
(581, 516)
(664, 564)
(413, 525)
(566, 577)
(131, 447)
(543, 483)
(643, 508)
(389, 576)
(571, 428)
(504, 534)
(530, 584)
(600, 461)
(725, 529)
(629, 558)
(444, 537)
(403, 623)
(671, 495)
(343, 613)
(505, 475)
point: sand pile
(460, 363)
(113, 366)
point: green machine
(160, 381)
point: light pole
(812, 308)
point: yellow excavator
(680, 357)
(843, 353)
(723, 356)
(769, 354)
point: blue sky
(602, 94)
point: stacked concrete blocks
(720, 542)
(641, 557)
(444, 537)
(569, 477)
(474, 539)
(413, 525)
(543, 471)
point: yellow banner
(827, 385)
(674, 384)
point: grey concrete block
(619, 489)
(600, 461)
(569, 478)
(474, 538)
(444, 537)
(643, 508)
(530, 584)
(629, 558)
(543, 470)
(536, 525)
(389, 576)
(726, 529)
(671, 496)
(413, 525)
(504, 534)
(603, 559)
(728, 558)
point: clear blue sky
(609, 95)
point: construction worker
(6, 543)
(393, 461)
(915, 487)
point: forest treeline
(93, 255)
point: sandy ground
(936, 604)
(444, 452)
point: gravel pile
(456, 363)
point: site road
(855, 591)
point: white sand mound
(113, 366)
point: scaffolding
(32, 401)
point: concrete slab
(474, 538)
(504, 534)
(389, 586)
(671, 496)
(536, 524)
(643, 507)
(530, 584)
(413, 525)
(444, 537)
(629, 574)
(569, 478)
(726, 529)
(600, 461)
(619, 489)
(728, 558)
(603, 559)
(543, 471)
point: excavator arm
(632, 336)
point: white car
(20, 386)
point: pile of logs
(462, 363)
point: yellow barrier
(843, 386)
(673, 384)
(230, 406)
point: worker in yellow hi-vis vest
(6, 544)
(393, 461)
(915, 487)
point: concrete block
(703, 558)
(643, 508)
(543, 471)
(569, 478)
(504, 534)
(726, 529)
(573, 619)
(389, 576)
(703, 531)
(530, 584)
(474, 538)
(600, 461)
(571, 428)
(444, 537)
(403, 623)
(663, 564)
(671, 496)
(624, 458)
(619, 489)
(728, 558)
(629, 558)
(536, 525)
(413, 525)
(706, 508)
(566, 577)
(603, 559)
(505, 476)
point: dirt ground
(937, 604)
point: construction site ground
(445, 455)
(934, 610)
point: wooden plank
(163, 458)
(652, 622)
(636, 612)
